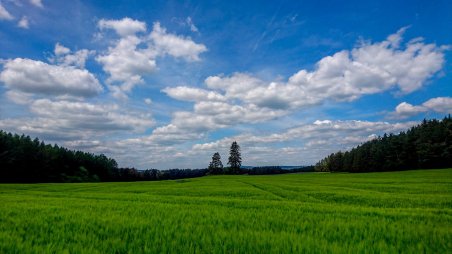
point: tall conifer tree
(235, 158)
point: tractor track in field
(279, 197)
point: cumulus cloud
(23, 23)
(61, 50)
(347, 75)
(64, 56)
(319, 130)
(404, 110)
(225, 101)
(19, 97)
(211, 115)
(134, 56)
(148, 101)
(37, 3)
(124, 27)
(439, 105)
(304, 144)
(75, 120)
(174, 45)
(36, 77)
(4, 14)
(171, 134)
(126, 63)
(192, 94)
(87, 116)
(146, 154)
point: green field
(409, 212)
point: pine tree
(216, 166)
(235, 158)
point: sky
(165, 84)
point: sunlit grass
(408, 212)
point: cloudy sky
(164, 84)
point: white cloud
(146, 153)
(192, 26)
(439, 105)
(36, 77)
(234, 86)
(171, 134)
(23, 23)
(124, 27)
(345, 76)
(19, 97)
(61, 50)
(371, 68)
(304, 144)
(4, 14)
(187, 22)
(82, 115)
(174, 45)
(226, 101)
(75, 120)
(37, 3)
(126, 63)
(193, 94)
(208, 116)
(148, 101)
(64, 57)
(404, 110)
(134, 56)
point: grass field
(408, 212)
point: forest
(27, 160)
(23, 159)
(427, 145)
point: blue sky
(164, 84)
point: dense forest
(428, 145)
(23, 159)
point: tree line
(427, 145)
(235, 165)
(23, 159)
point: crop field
(408, 212)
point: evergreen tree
(216, 166)
(23, 159)
(428, 145)
(235, 158)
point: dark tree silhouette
(428, 145)
(216, 166)
(235, 158)
(25, 160)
